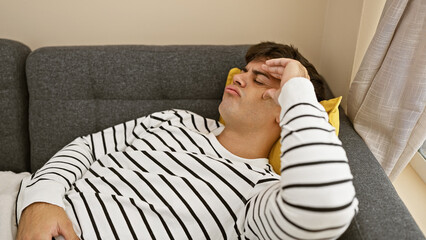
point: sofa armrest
(382, 214)
(14, 141)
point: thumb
(271, 93)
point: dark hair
(269, 50)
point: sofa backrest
(75, 91)
(14, 143)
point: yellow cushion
(331, 106)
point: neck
(246, 144)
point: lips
(233, 90)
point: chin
(224, 106)
(223, 109)
(227, 110)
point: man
(177, 175)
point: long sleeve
(57, 176)
(315, 197)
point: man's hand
(284, 69)
(44, 221)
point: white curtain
(386, 101)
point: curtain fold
(387, 98)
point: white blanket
(9, 187)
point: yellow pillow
(331, 106)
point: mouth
(232, 90)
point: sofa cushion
(14, 143)
(75, 91)
(382, 214)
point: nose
(238, 79)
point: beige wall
(412, 190)
(370, 17)
(339, 43)
(57, 22)
(348, 29)
(332, 34)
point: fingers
(68, 233)
(276, 75)
(285, 68)
(273, 94)
(279, 61)
(66, 230)
(276, 66)
(273, 70)
(307, 74)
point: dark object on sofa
(74, 91)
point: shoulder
(194, 121)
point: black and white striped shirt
(166, 176)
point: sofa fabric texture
(14, 141)
(75, 91)
(379, 203)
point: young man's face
(244, 102)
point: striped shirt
(166, 176)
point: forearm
(56, 177)
(316, 180)
(50, 182)
(315, 197)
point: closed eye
(258, 83)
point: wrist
(294, 91)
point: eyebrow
(256, 72)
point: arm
(315, 198)
(40, 206)
(57, 176)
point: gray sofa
(52, 95)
